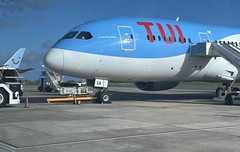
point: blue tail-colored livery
(15, 61)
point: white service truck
(11, 87)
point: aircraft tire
(229, 100)
(104, 98)
(3, 98)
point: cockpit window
(84, 35)
(70, 35)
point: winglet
(15, 60)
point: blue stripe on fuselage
(106, 39)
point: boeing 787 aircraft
(155, 54)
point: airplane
(155, 54)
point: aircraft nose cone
(54, 60)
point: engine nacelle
(156, 86)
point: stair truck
(49, 80)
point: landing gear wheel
(102, 97)
(3, 98)
(229, 100)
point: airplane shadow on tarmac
(194, 98)
(118, 96)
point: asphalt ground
(183, 119)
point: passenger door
(204, 36)
(127, 38)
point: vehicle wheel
(104, 97)
(219, 91)
(3, 98)
(229, 100)
(235, 89)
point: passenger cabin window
(154, 38)
(164, 38)
(170, 39)
(189, 40)
(131, 36)
(84, 35)
(148, 37)
(70, 35)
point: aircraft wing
(25, 70)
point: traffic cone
(26, 103)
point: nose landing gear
(101, 96)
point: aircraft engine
(156, 86)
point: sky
(37, 24)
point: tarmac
(183, 119)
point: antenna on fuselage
(177, 19)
